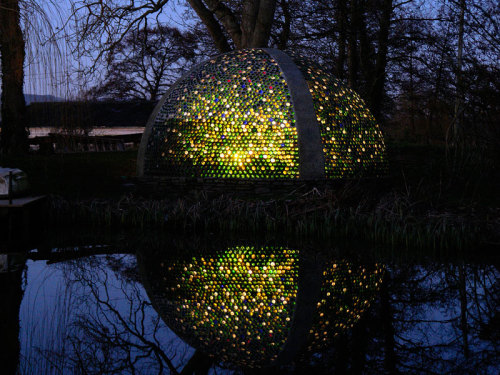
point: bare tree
(231, 24)
(113, 327)
(401, 56)
(146, 62)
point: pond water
(241, 306)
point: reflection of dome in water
(254, 306)
(260, 113)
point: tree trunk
(287, 20)
(254, 29)
(199, 364)
(11, 294)
(388, 327)
(438, 84)
(342, 36)
(377, 91)
(457, 118)
(365, 47)
(215, 30)
(358, 347)
(464, 326)
(249, 13)
(265, 19)
(341, 355)
(14, 135)
(352, 47)
(411, 96)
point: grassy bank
(393, 221)
(430, 199)
(78, 175)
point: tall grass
(394, 220)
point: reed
(394, 220)
(429, 200)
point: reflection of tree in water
(11, 293)
(114, 329)
(433, 318)
(445, 318)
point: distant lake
(43, 131)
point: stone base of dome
(161, 185)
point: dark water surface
(208, 306)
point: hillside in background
(55, 112)
(87, 115)
(34, 98)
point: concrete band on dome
(311, 158)
(310, 277)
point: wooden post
(9, 192)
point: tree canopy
(425, 68)
(145, 63)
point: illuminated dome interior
(243, 305)
(260, 113)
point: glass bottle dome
(261, 114)
(254, 306)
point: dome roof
(261, 113)
(251, 306)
